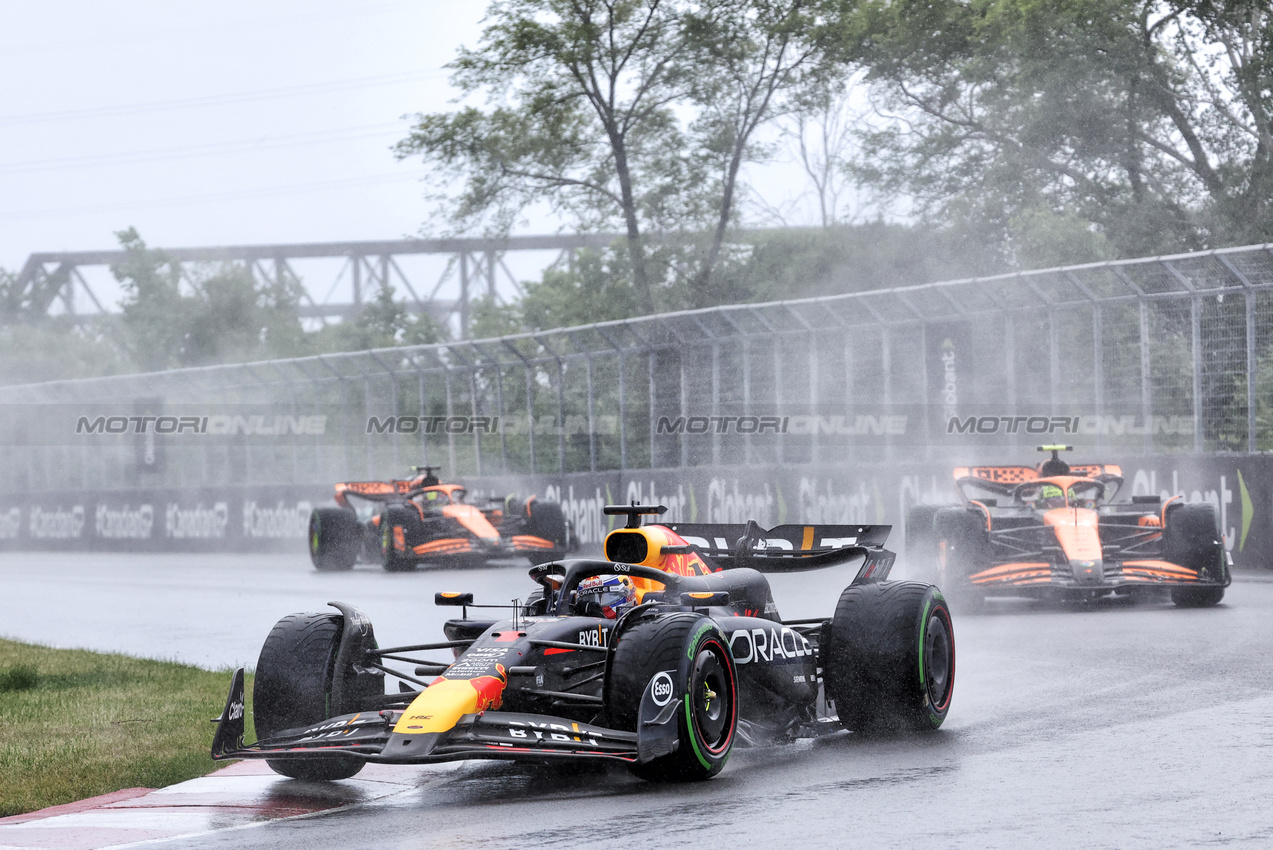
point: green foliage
(383, 323)
(1029, 124)
(636, 114)
(228, 316)
(56, 347)
(488, 318)
(594, 288)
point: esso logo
(661, 688)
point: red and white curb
(244, 794)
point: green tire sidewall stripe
(923, 633)
(689, 727)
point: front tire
(889, 658)
(293, 687)
(548, 521)
(963, 549)
(921, 543)
(1192, 539)
(694, 650)
(335, 536)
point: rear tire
(292, 689)
(704, 672)
(335, 536)
(889, 658)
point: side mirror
(453, 599)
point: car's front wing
(1115, 575)
(490, 734)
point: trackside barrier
(264, 519)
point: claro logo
(10, 524)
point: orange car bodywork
(1079, 559)
(481, 537)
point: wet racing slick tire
(335, 536)
(696, 652)
(921, 543)
(293, 689)
(963, 546)
(888, 658)
(1191, 538)
(396, 517)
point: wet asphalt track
(1115, 726)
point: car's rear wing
(789, 548)
(375, 491)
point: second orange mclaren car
(403, 522)
(1056, 531)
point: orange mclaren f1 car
(1056, 531)
(402, 522)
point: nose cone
(1087, 572)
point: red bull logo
(440, 706)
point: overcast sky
(226, 123)
(215, 123)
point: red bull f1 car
(402, 522)
(1056, 531)
(663, 657)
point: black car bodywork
(704, 661)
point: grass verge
(75, 724)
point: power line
(215, 197)
(243, 145)
(217, 100)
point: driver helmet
(1051, 496)
(612, 595)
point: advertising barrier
(262, 519)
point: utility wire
(239, 146)
(217, 100)
(215, 197)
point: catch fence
(1165, 354)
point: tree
(635, 113)
(1147, 123)
(758, 59)
(582, 118)
(225, 314)
(382, 323)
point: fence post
(715, 401)
(685, 444)
(1251, 373)
(1146, 391)
(1054, 361)
(592, 429)
(1195, 345)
